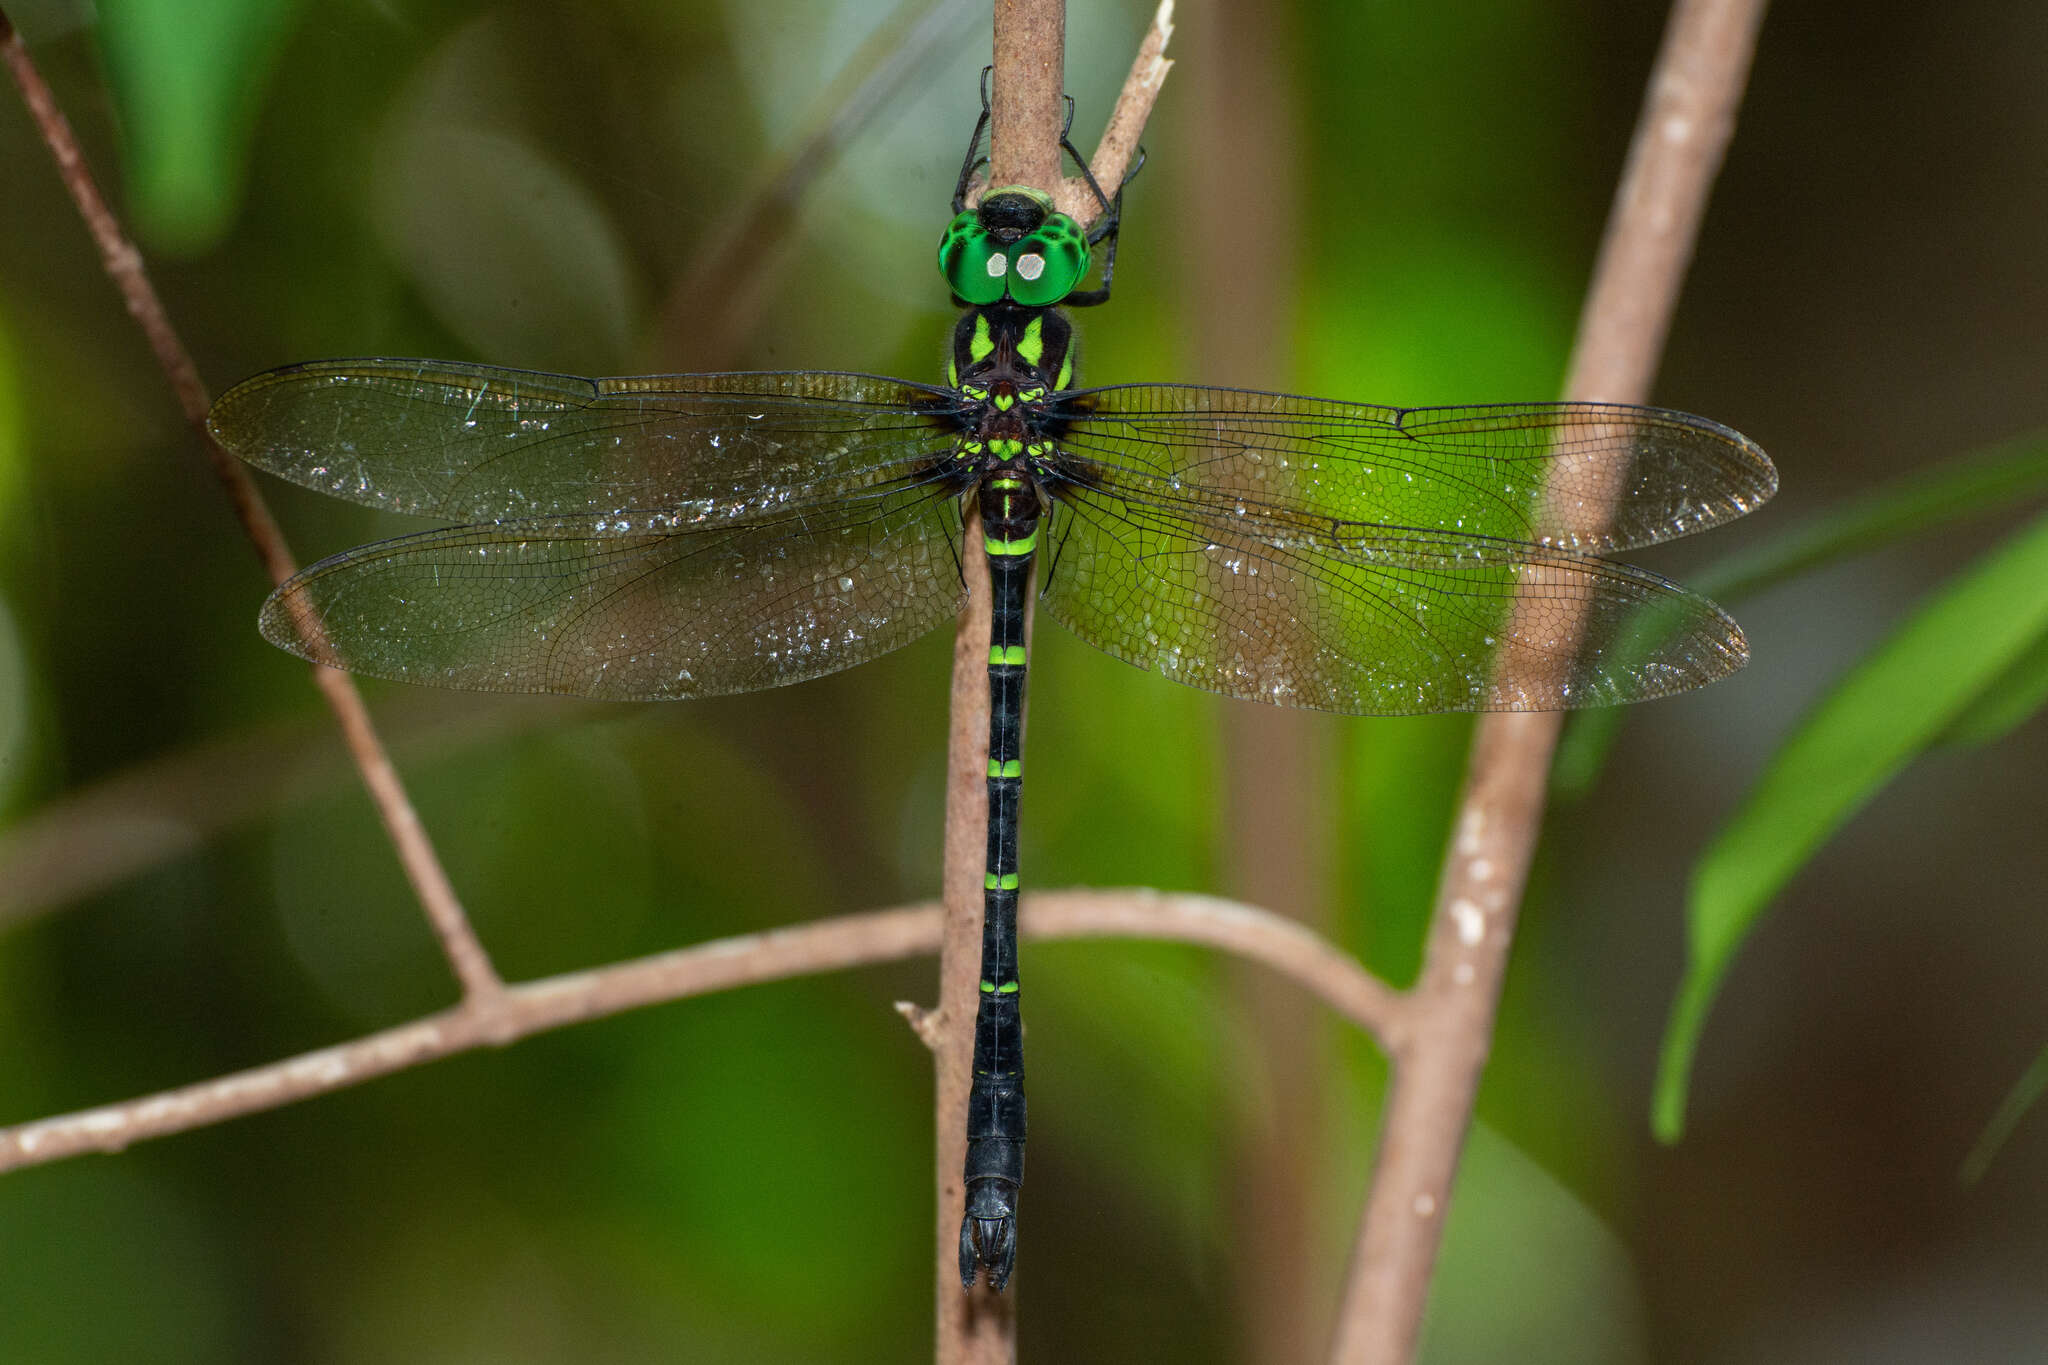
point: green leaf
(2007, 703)
(1924, 501)
(187, 80)
(1982, 481)
(1876, 720)
(2032, 1082)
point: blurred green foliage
(747, 1177)
(188, 82)
(1955, 650)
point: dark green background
(746, 1177)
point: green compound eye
(973, 262)
(1047, 264)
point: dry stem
(123, 263)
(1026, 111)
(1680, 137)
(1322, 969)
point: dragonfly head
(1016, 245)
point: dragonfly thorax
(1029, 348)
(1008, 366)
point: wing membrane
(1587, 477)
(1411, 621)
(477, 443)
(633, 608)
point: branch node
(928, 1025)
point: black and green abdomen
(995, 1107)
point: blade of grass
(2010, 701)
(2025, 1091)
(1908, 506)
(1913, 505)
(1892, 706)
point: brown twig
(1026, 112)
(1684, 128)
(1322, 969)
(1291, 949)
(123, 263)
(1119, 146)
(1027, 93)
(979, 1326)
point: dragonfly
(678, 536)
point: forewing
(634, 608)
(1411, 621)
(476, 443)
(1588, 477)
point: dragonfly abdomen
(994, 1170)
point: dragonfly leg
(973, 163)
(1106, 226)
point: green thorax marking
(1004, 354)
(1031, 346)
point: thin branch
(1027, 110)
(1119, 145)
(1288, 947)
(401, 821)
(1013, 124)
(1323, 970)
(1680, 137)
(1027, 94)
(123, 263)
(977, 1327)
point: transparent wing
(633, 607)
(1402, 622)
(1589, 477)
(474, 443)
